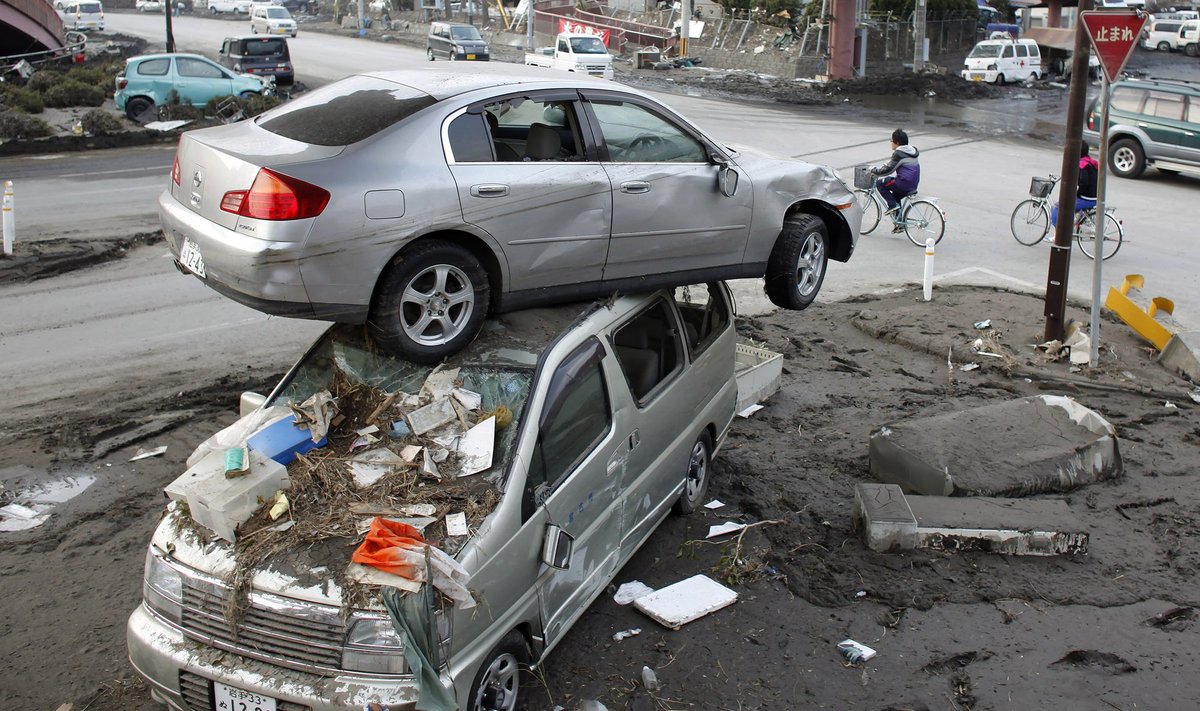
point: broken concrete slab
(1006, 526)
(1033, 445)
(892, 522)
(1182, 355)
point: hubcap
(498, 692)
(811, 264)
(697, 472)
(437, 304)
(1123, 159)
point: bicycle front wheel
(870, 210)
(1030, 222)
(923, 220)
(1085, 236)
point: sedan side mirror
(727, 180)
(557, 547)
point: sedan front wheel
(796, 268)
(431, 302)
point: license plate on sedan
(231, 698)
(189, 257)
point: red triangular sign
(1114, 34)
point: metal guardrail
(75, 43)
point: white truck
(575, 52)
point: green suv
(1151, 122)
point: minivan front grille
(301, 636)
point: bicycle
(1030, 221)
(920, 217)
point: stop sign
(1114, 34)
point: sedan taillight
(275, 196)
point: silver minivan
(616, 410)
(82, 15)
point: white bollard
(929, 269)
(7, 223)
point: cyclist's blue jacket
(907, 169)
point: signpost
(1114, 34)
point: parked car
(216, 7)
(149, 5)
(271, 20)
(82, 15)
(261, 56)
(456, 41)
(1150, 122)
(451, 194)
(147, 80)
(1172, 36)
(1000, 60)
(617, 410)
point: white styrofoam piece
(476, 447)
(714, 504)
(221, 504)
(432, 416)
(440, 383)
(750, 410)
(456, 524)
(210, 466)
(146, 454)
(723, 528)
(468, 399)
(685, 601)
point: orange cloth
(385, 548)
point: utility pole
(1060, 253)
(919, 37)
(170, 28)
(685, 26)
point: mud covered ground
(1111, 629)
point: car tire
(253, 30)
(430, 285)
(697, 476)
(212, 11)
(501, 677)
(1164, 46)
(1192, 50)
(796, 268)
(137, 106)
(429, 52)
(1000, 80)
(1126, 158)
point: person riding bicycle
(1085, 192)
(907, 175)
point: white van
(1000, 60)
(271, 20)
(82, 15)
(1170, 35)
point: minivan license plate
(229, 698)
(189, 256)
(470, 56)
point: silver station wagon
(617, 409)
(418, 201)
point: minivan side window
(1008, 52)
(576, 417)
(649, 351)
(705, 314)
(1022, 51)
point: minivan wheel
(1164, 46)
(699, 473)
(1192, 50)
(137, 106)
(797, 264)
(999, 80)
(431, 302)
(497, 686)
(1126, 158)
(430, 53)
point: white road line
(970, 271)
(146, 169)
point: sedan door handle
(635, 186)
(1141, 124)
(489, 190)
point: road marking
(152, 168)
(990, 272)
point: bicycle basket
(1041, 187)
(863, 178)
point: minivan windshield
(90, 7)
(985, 51)
(278, 13)
(345, 112)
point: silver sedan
(418, 201)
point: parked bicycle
(919, 216)
(1030, 221)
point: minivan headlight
(162, 588)
(373, 647)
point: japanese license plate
(189, 256)
(229, 698)
(976, 77)
(470, 56)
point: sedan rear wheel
(796, 268)
(431, 302)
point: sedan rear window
(346, 112)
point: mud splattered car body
(617, 410)
(452, 194)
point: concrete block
(1033, 445)
(884, 517)
(1006, 526)
(1182, 355)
